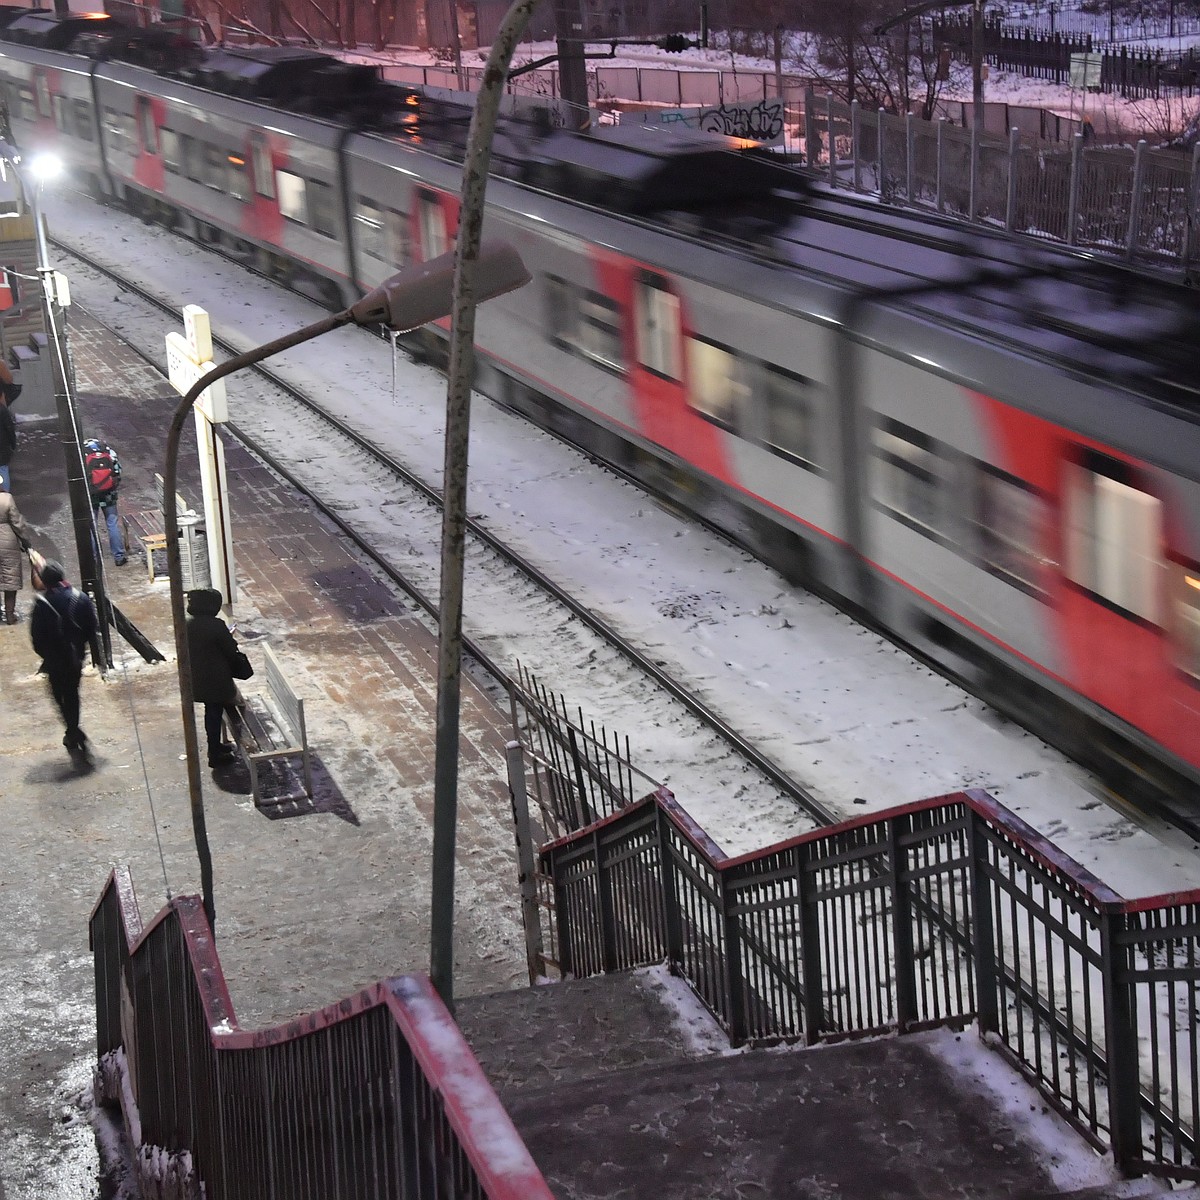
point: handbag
(241, 667)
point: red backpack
(101, 471)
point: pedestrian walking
(216, 664)
(8, 425)
(103, 470)
(14, 544)
(62, 626)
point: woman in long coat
(14, 542)
(212, 650)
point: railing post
(608, 929)
(909, 156)
(812, 147)
(832, 143)
(855, 137)
(1076, 183)
(879, 143)
(902, 941)
(735, 996)
(526, 860)
(1135, 197)
(973, 195)
(1193, 224)
(1121, 1045)
(1010, 211)
(810, 946)
(666, 865)
(941, 126)
(562, 928)
(983, 940)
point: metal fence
(941, 912)
(377, 1096)
(575, 773)
(1140, 204)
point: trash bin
(193, 553)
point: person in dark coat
(62, 627)
(212, 651)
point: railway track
(746, 808)
(404, 546)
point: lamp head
(45, 166)
(424, 292)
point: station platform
(312, 901)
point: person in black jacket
(212, 651)
(62, 627)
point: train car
(988, 449)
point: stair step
(856, 1120)
(579, 1028)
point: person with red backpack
(103, 478)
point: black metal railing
(942, 912)
(376, 1096)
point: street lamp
(467, 274)
(31, 174)
(409, 299)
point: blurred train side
(1034, 528)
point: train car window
(117, 132)
(190, 153)
(169, 143)
(215, 162)
(25, 104)
(322, 215)
(658, 326)
(909, 477)
(1114, 536)
(147, 128)
(237, 180)
(292, 202)
(83, 120)
(584, 322)
(264, 171)
(62, 115)
(431, 226)
(397, 237)
(1186, 596)
(790, 428)
(368, 229)
(42, 84)
(718, 383)
(1009, 521)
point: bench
(149, 528)
(273, 727)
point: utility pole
(977, 65)
(572, 66)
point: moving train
(987, 447)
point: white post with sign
(189, 356)
(1085, 75)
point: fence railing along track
(377, 1096)
(944, 912)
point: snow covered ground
(844, 711)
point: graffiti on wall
(757, 120)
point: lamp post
(454, 492)
(31, 175)
(409, 299)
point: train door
(1114, 566)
